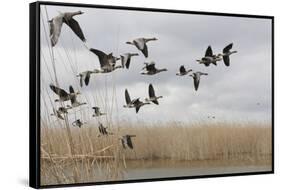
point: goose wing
(141, 45)
(227, 48)
(58, 91)
(137, 104)
(123, 143)
(103, 58)
(71, 90)
(127, 97)
(129, 142)
(151, 91)
(196, 81)
(145, 51)
(151, 67)
(226, 60)
(81, 80)
(87, 78)
(209, 52)
(125, 60)
(96, 110)
(137, 109)
(128, 62)
(73, 96)
(75, 27)
(60, 116)
(55, 29)
(100, 129)
(136, 101)
(182, 69)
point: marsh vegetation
(103, 158)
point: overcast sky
(229, 93)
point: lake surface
(162, 169)
(148, 169)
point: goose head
(131, 43)
(77, 13)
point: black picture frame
(34, 91)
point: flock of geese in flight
(108, 64)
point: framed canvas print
(122, 94)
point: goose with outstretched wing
(152, 97)
(140, 44)
(57, 22)
(135, 103)
(126, 59)
(107, 61)
(183, 71)
(196, 79)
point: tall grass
(170, 141)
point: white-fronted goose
(209, 58)
(135, 103)
(78, 123)
(152, 97)
(196, 78)
(126, 141)
(103, 130)
(150, 69)
(63, 95)
(183, 71)
(107, 61)
(67, 18)
(97, 112)
(73, 98)
(126, 59)
(57, 114)
(140, 43)
(85, 76)
(226, 53)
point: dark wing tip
(71, 90)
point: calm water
(162, 169)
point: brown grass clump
(170, 141)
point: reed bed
(173, 141)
